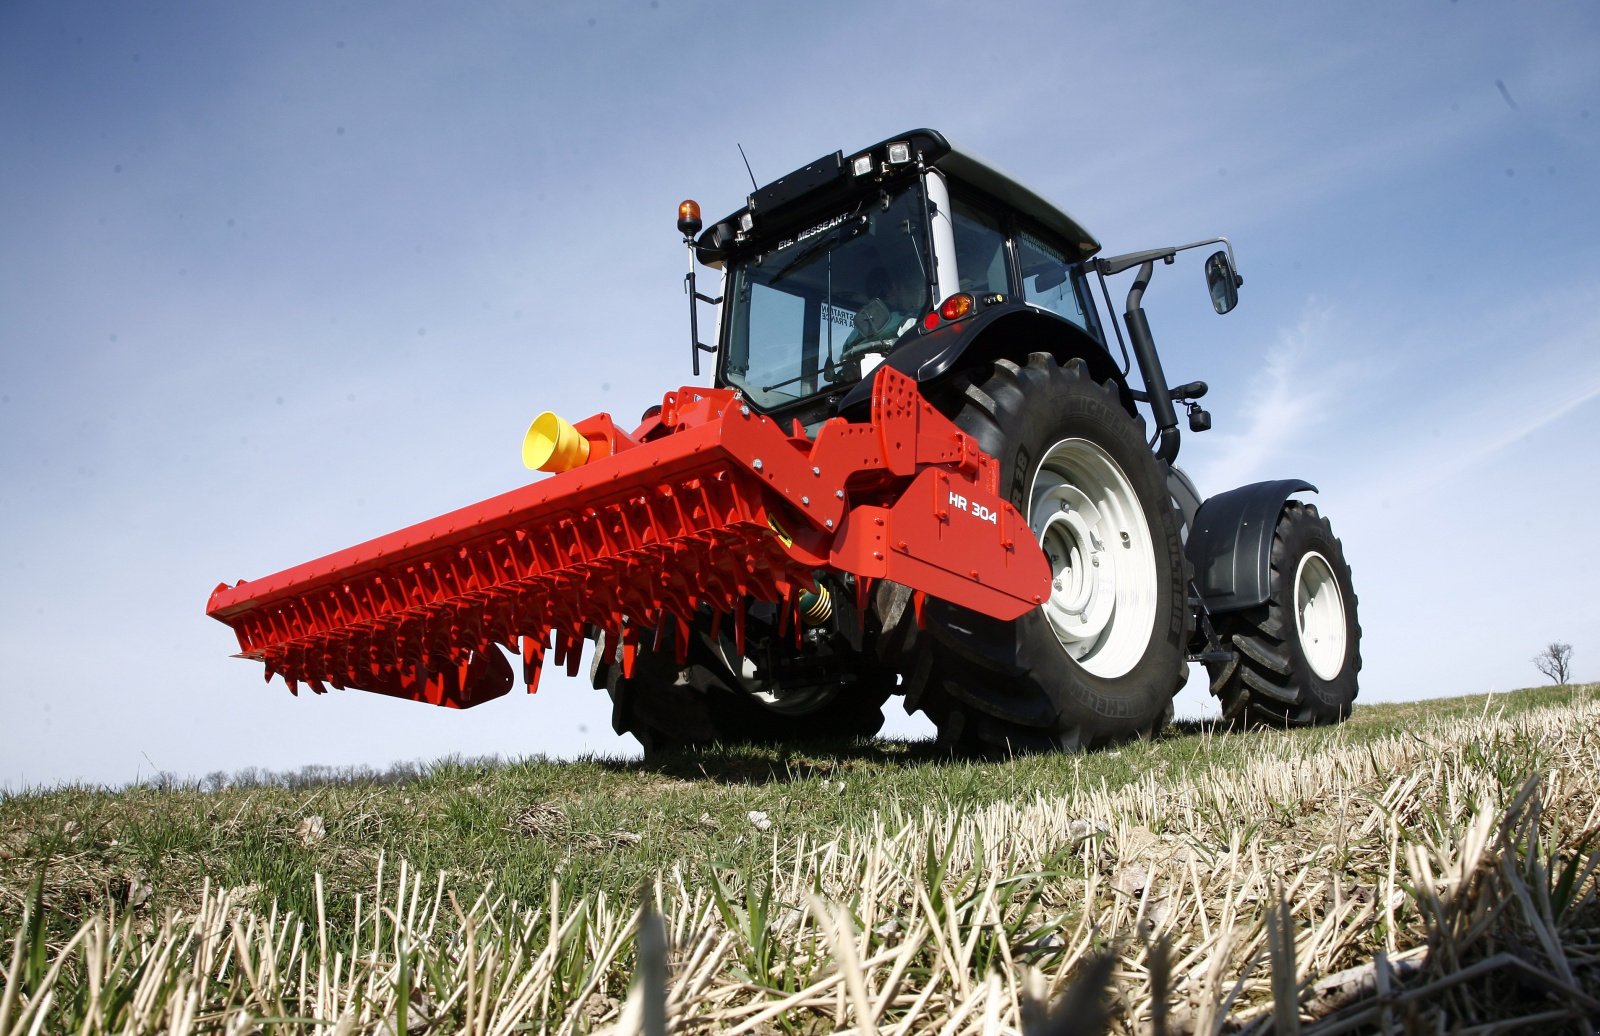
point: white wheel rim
(1319, 615)
(1102, 604)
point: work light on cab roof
(894, 153)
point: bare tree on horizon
(1555, 661)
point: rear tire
(1100, 661)
(1295, 657)
(668, 707)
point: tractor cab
(818, 308)
(900, 254)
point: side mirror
(1223, 281)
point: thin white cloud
(1524, 424)
(1498, 397)
(1286, 404)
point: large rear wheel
(1295, 658)
(1101, 659)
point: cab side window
(980, 250)
(1047, 278)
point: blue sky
(277, 278)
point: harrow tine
(681, 655)
(574, 652)
(630, 651)
(532, 662)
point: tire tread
(1267, 682)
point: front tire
(1102, 658)
(1295, 658)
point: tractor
(922, 469)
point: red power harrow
(705, 506)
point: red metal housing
(707, 506)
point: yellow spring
(816, 608)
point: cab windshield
(825, 304)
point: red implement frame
(711, 506)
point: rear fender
(1230, 543)
(1009, 331)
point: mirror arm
(1156, 391)
(1110, 266)
(1115, 264)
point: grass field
(1426, 866)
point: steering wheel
(862, 348)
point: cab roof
(820, 183)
